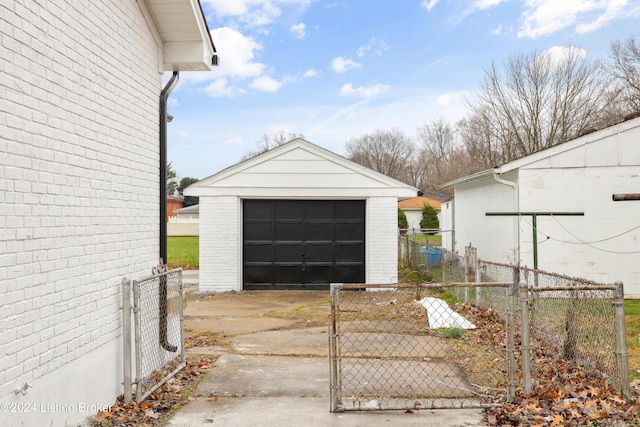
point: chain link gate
(156, 303)
(397, 347)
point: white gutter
(516, 208)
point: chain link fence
(156, 303)
(403, 347)
(400, 347)
(571, 321)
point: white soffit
(187, 44)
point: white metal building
(79, 189)
(297, 216)
(578, 176)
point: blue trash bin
(434, 255)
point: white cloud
(545, 17)
(363, 91)
(237, 54)
(485, 4)
(220, 88)
(342, 65)
(255, 13)
(266, 84)
(429, 4)
(299, 31)
(375, 46)
(560, 54)
(311, 72)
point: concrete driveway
(273, 369)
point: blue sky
(333, 70)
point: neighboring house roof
(189, 209)
(300, 169)
(182, 32)
(626, 153)
(417, 203)
(175, 199)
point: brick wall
(382, 240)
(220, 244)
(78, 193)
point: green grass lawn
(183, 252)
(632, 318)
(431, 240)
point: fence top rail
(572, 288)
(421, 285)
(579, 280)
(155, 276)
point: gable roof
(300, 169)
(623, 152)
(417, 203)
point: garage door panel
(349, 252)
(320, 209)
(294, 243)
(259, 252)
(258, 273)
(292, 232)
(320, 252)
(320, 273)
(350, 209)
(258, 209)
(348, 274)
(289, 209)
(289, 252)
(288, 274)
(260, 231)
(320, 231)
(349, 231)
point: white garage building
(297, 217)
(578, 176)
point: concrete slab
(294, 342)
(275, 370)
(309, 412)
(255, 375)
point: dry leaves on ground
(162, 403)
(566, 394)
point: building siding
(382, 240)
(577, 176)
(78, 195)
(220, 244)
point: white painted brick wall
(220, 244)
(78, 193)
(382, 240)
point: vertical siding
(603, 244)
(220, 249)
(494, 237)
(78, 194)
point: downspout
(162, 292)
(164, 96)
(516, 208)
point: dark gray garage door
(305, 244)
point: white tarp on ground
(442, 316)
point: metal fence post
(126, 338)
(511, 362)
(334, 385)
(622, 354)
(524, 333)
(136, 323)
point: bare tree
(539, 100)
(387, 152)
(437, 141)
(269, 141)
(625, 68)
